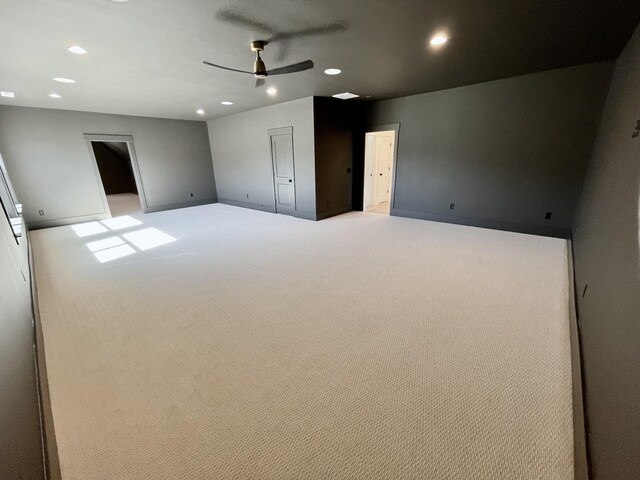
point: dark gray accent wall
(333, 136)
(52, 169)
(504, 152)
(607, 267)
(242, 158)
(21, 453)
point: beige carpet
(259, 346)
(383, 208)
(124, 204)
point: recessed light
(64, 80)
(333, 71)
(55, 95)
(439, 39)
(200, 111)
(345, 95)
(77, 49)
(226, 103)
(7, 94)
(272, 91)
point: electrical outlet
(452, 206)
(41, 212)
(191, 195)
(247, 195)
(547, 216)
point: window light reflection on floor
(148, 238)
(90, 228)
(113, 253)
(118, 223)
(114, 247)
(104, 244)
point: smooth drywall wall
(607, 268)
(20, 442)
(333, 139)
(504, 152)
(242, 156)
(52, 169)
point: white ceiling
(145, 56)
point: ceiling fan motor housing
(259, 70)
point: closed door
(281, 140)
(384, 154)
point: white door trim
(128, 139)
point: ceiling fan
(260, 70)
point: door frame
(282, 131)
(128, 139)
(395, 127)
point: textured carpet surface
(259, 346)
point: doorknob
(290, 180)
(380, 174)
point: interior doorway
(379, 156)
(281, 145)
(117, 170)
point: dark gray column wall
(607, 259)
(52, 170)
(20, 444)
(333, 135)
(504, 152)
(242, 156)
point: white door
(384, 156)
(369, 170)
(281, 140)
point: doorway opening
(379, 153)
(117, 172)
(281, 145)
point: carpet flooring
(124, 204)
(222, 343)
(380, 208)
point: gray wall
(607, 259)
(505, 152)
(52, 169)
(20, 446)
(334, 156)
(242, 158)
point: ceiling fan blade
(310, 32)
(236, 18)
(296, 67)
(226, 68)
(259, 82)
(283, 51)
